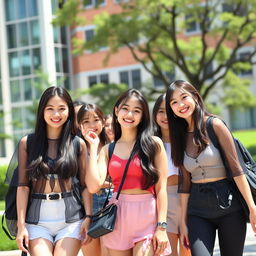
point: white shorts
(52, 225)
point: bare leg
(92, 249)
(40, 247)
(120, 253)
(67, 247)
(173, 240)
(138, 250)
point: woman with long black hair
(51, 212)
(140, 227)
(208, 199)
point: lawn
(1, 205)
(5, 243)
(248, 138)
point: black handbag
(103, 221)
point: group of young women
(64, 178)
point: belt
(52, 196)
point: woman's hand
(184, 236)
(252, 218)
(22, 239)
(90, 136)
(160, 241)
(84, 229)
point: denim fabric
(99, 199)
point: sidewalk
(249, 248)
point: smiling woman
(51, 195)
(208, 199)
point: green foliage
(234, 89)
(103, 95)
(3, 187)
(246, 137)
(155, 33)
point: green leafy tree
(158, 36)
(104, 95)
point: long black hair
(87, 107)
(156, 128)
(145, 144)
(178, 126)
(66, 162)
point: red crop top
(134, 177)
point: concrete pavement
(249, 248)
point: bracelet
(88, 216)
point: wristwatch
(162, 225)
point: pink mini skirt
(136, 221)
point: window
(245, 72)
(104, 79)
(101, 78)
(89, 34)
(15, 91)
(159, 83)
(21, 8)
(23, 34)
(32, 8)
(131, 77)
(94, 3)
(34, 30)
(25, 62)
(36, 58)
(191, 24)
(10, 10)
(27, 87)
(12, 36)
(14, 64)
(242, 11)
(92, 80)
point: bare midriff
(209, 180)
(172, 180)
(135, 191)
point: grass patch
(6, 244)
(247, 137)
(2, 205)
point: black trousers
(231, 232)
(209, 211)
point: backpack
(245, 159)
(12, 179)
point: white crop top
(172, 169)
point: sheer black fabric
(51, 182)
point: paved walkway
(249, 249)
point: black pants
(208, 211)
(231, 232)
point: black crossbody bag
(103, 221)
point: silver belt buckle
(49, 196)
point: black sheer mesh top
(208, 163)
(50, 181)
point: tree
(158, 34)
(104, 95)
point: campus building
(29, 42)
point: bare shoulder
(218, 124)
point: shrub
(3, 187)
